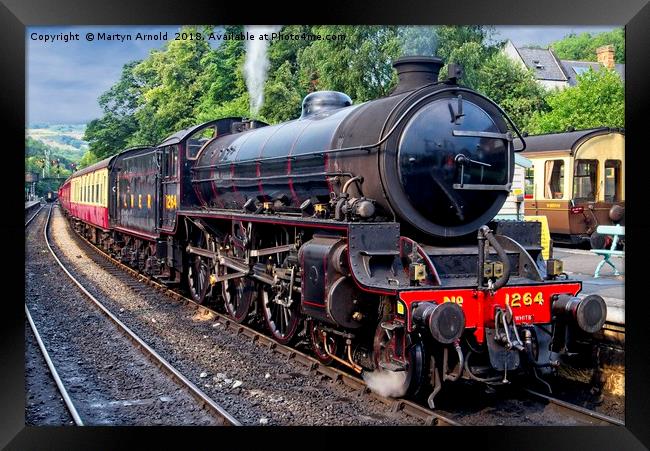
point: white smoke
(386, 383)
(257, 63)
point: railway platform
(580, 264)
(31, 204)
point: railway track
(581, 414)
(33, 216)
(430, 417)
(408, 407)
(55, 374)
(208, 404)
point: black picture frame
(635, 15)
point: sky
(64, 79)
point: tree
(110, 134)
(88, 159)
(512, 87)
(222, 80)
(470, 46)
(171, 88)
(583, 47)
(282, 94)
(419, 40)
(359, 65)
(598, 100)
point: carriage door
(169, 187)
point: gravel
(259, 387)
(230, 369)
(43, 403)
(109, 380)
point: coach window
(198, 140)
(612, 180)
(529, 182)
(585, 180)
(554, 179)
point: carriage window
(198, 140)
(554, 179)
(585, 180)
(612, 180)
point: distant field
(67, 137)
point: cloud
(544, 35)
(64, 79)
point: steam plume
(419, 40)
(386, 383)
(257, 64)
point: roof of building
(543, 63)
(563, 141)
(575, 68)
(547, 66)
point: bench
(614, 231)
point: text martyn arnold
(160, 36)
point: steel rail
(59, 383)
(335, 374)
(35, 214)
(576, 411)
(48, 360)
(410, 408)
(197, 393)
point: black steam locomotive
(366, 229)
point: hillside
(64, 140)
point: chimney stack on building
(605, 56)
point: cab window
(585, 180)
(169, 162)
(554, 179)
(198, 140)
(612, 180)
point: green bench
(614, 231)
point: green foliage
(512, 87)
(169, 88)
(419, 40)
(467, 46)
(583, 47)
(189, 82)
(359, 65)
(88, 159)
(597, 100)
(222, 82)
(282, 94)
(112, 132)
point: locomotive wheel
(318, 344)
(143, 257)
(238, 296)
(281, 321)
(416, 374)
(198, 274)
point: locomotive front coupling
(445, 321)
(589, 312)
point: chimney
(416, 71)
(605, 56)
